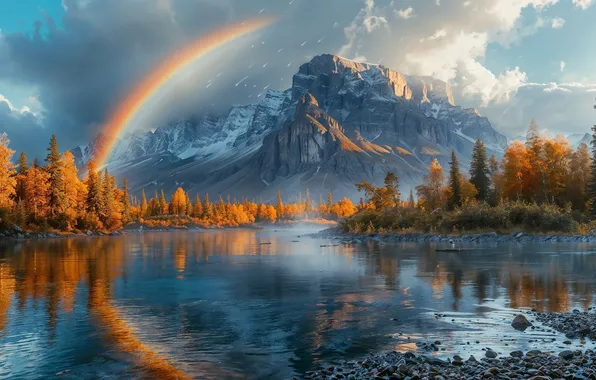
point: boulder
(16, 228)
(520, 323)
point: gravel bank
(534, 365)
(575, 325)
(490, 237)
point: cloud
(583, 4)
(405, 13)
(562, 109)
(24, 127)
(558, 23)
(562, 65)
(82, 70)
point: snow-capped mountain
(340, 122)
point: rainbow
(165, 71)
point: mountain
(578, 138)
(340, 122)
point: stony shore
(18, 234)
(534, 364)
(489, 237)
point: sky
(65, 65)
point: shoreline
(533, 364)
(419, 237)
(18, 234)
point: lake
(266, 303)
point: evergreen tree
(592, 182)
(307, 203)
(94, 190)
(56, 169)
(109, 202)
(23, 164)
(125, 202)
(455, 185)
(143, 204)
(329, 200)
(411, 199)
(392, 189)
(479, 172)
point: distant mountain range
(340, 122)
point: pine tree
(391, 194)
(94, 190)
(125, 202)
(56, 169)
(455, 185)
(592, 182)
(143, 204)
(109, 202)
(479, 173)
(7, 180)
(73, 188)
(329, 200)
(411, 199)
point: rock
(490, 354)
(17, 228)
(517, 354)
(567, 355)
(520, 323)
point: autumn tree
(207, 207)
(7, 180)
(479, 171)
(163, 205)
(179, 202)
(556, 163)
(58, 199)
(197, 208)
(279, 208)
(455, 185)
(382, 197)
(37, 190)
(430, 193)
(515, 165)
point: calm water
(223, 305)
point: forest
(542, 185)
(53, 197)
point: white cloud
(550, 105)
(562, 65)
(438, 34)
(405, 13)
(558, 23)
(583, 4)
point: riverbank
(488, 237)
(16, 233)
(534, 364)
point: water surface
(266, 304)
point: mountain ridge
(340, 122)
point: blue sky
(20, 15)
(514, 60)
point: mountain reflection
(204, 293)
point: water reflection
(250, 303)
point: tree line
(53, 196)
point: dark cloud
(82, 69)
